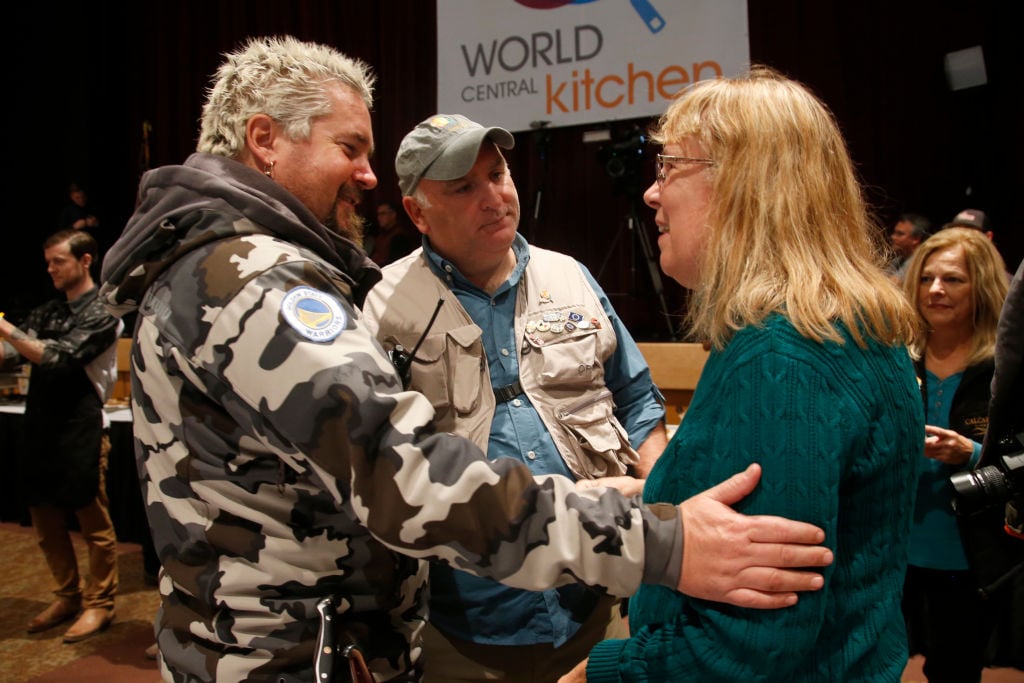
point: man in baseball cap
(976, 220)
(485, 303)
(444, 147)
(971, 218)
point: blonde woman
(762, 217)
(956, 280)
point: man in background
(976, 220)
(78, 215)
(972, 218)
(72, 345)
(393, 238)
(910, 230)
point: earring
(269, 170)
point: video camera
(623, 158)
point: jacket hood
(172, 218)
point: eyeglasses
(664, 159)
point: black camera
(998, 484)
(623, 158)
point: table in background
(126, 509)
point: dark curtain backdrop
(89, 77)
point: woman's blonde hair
(986, 271)
(788, 229)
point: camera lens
(615, 168)
(979, 488)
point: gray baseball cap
(970, 218)
(443, 147)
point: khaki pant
(51, 527)
(451, 660)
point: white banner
(522, 64)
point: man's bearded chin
(352, 226)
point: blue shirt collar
(449, 273)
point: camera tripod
(637, 228)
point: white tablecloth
(115, 413)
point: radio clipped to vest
(402, 359)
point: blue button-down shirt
(482, 610)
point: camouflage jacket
(281, 462)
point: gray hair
(283, 78)
(421, 198)
(919, 225)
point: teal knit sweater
(839, 433)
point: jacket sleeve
(336, 405)
(93, 332)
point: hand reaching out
(947, 446)
(577, 675)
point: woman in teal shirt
(957, 282)
(761, 216)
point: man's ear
(260, 135)
(415, 213)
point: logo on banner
(650, 16)
(515, 62)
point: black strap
(508, 392)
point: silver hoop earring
(269, 170)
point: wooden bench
(675, 368)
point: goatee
(353, 228)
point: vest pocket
(600, 444)
(448, 370)
(569, 360)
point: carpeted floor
(115, 656)
(118, 654)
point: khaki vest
(564, 339)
